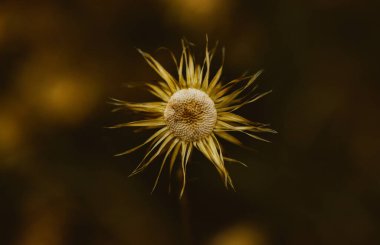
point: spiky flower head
(195, 111)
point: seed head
(190, 114)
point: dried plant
(195, 110)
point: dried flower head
(195, 110)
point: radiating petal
(171, 147)
(152, 123)
(150, 139)
(165, 140)
(168, 78)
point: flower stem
(185, 214)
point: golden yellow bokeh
(240, 234)
(199, 14)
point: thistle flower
(195, 111)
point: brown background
(316, 183)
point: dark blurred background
(316, 183)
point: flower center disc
(190, 114)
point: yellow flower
(195, 111)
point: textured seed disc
(190, 114)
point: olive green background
(316, 183)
